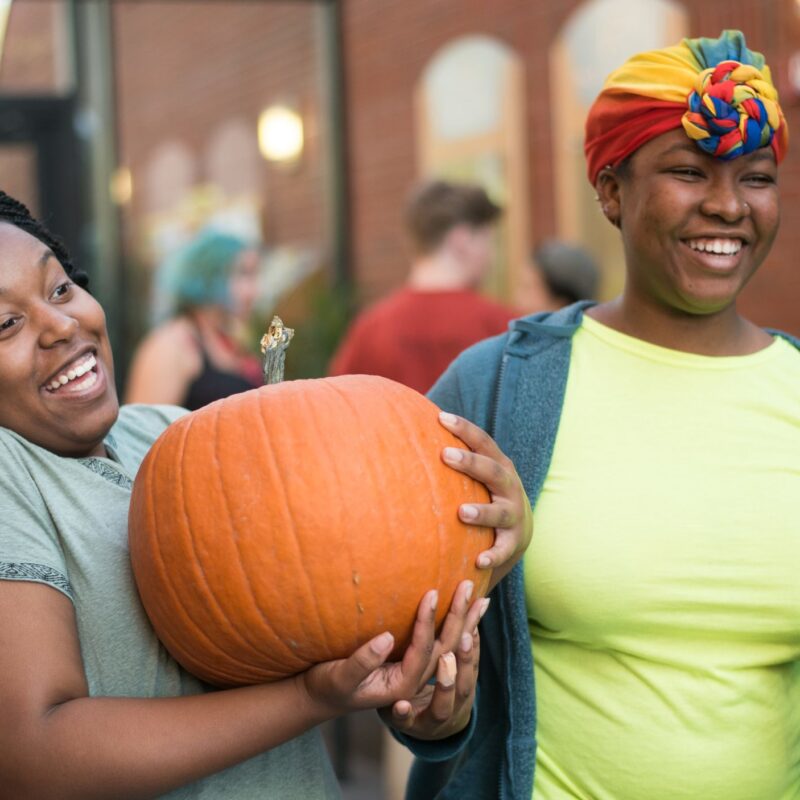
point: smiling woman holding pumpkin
(93, 706)
(649, 644)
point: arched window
(470, 127)
(598, 37)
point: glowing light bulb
(280, 134)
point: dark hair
(568, 270)
(435, 207)
(17, 214)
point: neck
(439, 272)
(210, 320)
(724, 333)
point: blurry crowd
(201, 346)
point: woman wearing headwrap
(648, 647)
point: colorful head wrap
(718, 90)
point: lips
(716, 254)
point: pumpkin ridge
(386, 512)
(290, 517)
(254, 656)
(157, 552)
(312, 418)
(215, 608)
(182, 505)
(444, 603)
(277, 639)
(331, 387)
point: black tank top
(213, 384)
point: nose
(55, 326)
(724, 200)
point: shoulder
(525, 337)
(377, 311)
(468, 385)
(146, 420)
(173, 342)
(792, 340)
(137, 427)
(13, 448)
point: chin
(706, 306)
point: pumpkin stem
(274, 344)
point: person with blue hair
(194, 357)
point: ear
(608, 188)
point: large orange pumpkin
(290, 524)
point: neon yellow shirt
(663, 579)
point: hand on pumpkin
(366, 680)
(443, 708)
(509, 513)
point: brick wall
(33, 49)
(387, 46)
(183, 68)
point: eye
(760, 179)
(62, 290)
(686, 173)
(8, 324)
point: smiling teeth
(727, 247)
(70, 375)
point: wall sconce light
(120, 186)
(280, 134)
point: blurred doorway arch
(470, 126)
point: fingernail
(453, 454)
(468, 513)
(484, 561)
(446, 670)
(402, 711)
(466, 643)
(468, 590)
(448, 418)
(382, 643)
(484, 605)
(434, 600)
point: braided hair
(17, 214)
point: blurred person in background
(559, 274)
(414, 333)
(196, 356)
(648, 646)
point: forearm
(125, 748)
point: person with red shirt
(414, 333)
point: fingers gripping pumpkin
(290, 524)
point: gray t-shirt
(64, 523)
